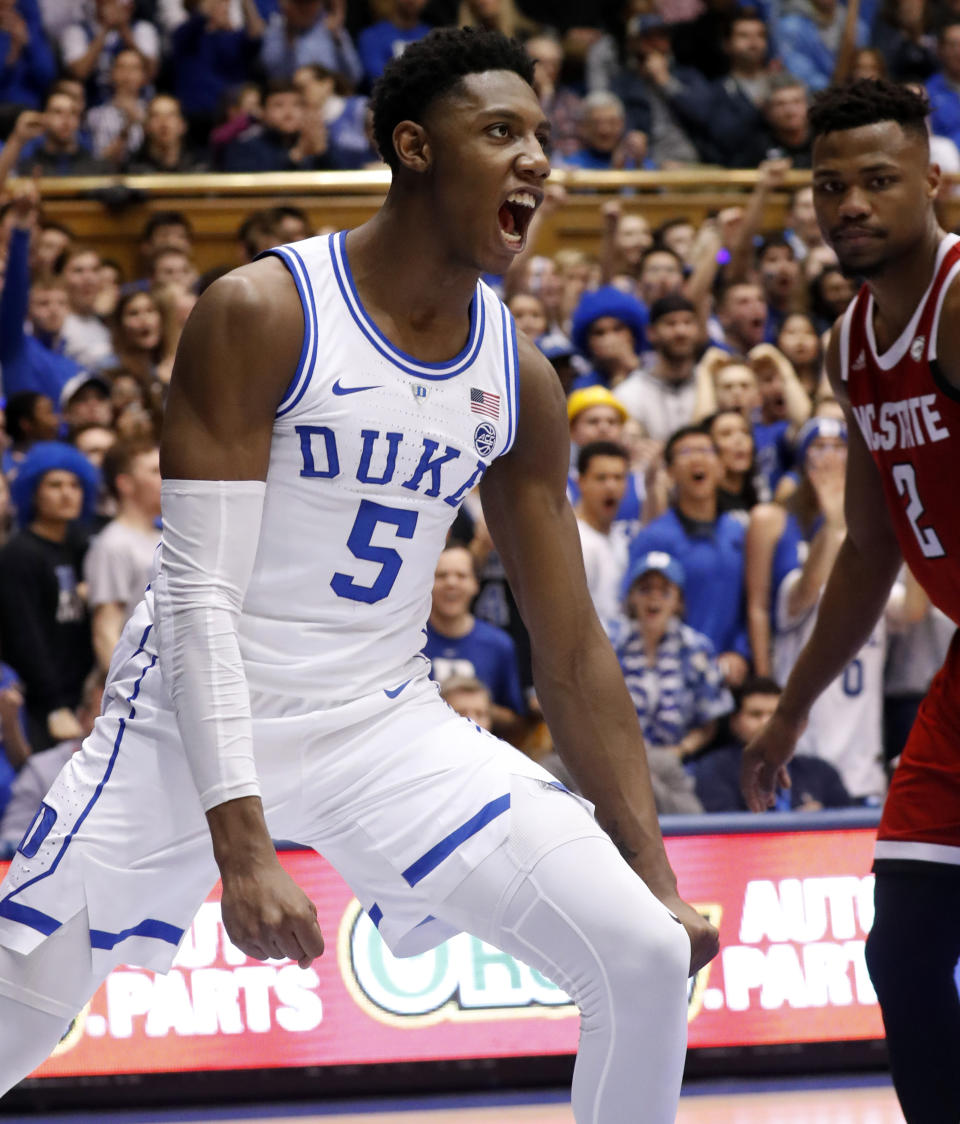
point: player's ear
(412, 146)
(934, 176)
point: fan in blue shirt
(709, 547)
(31, 362)
(385, 40)
(460, 645)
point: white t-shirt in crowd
(118, 564)
(605, 559)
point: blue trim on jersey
(511, 375)
(417, 871)
(409, 364)
(311, 329)
(375, 914)
(149, 927)
(281, 253)
(9, 908)
(32, 918)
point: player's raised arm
(853, 601)
(579, 682)
(237, 355)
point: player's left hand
(704, 937)
(763, 767)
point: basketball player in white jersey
(331, 406)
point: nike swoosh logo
(396, 691)
(338, 389)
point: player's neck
(454, 628)
(417, 297)
(898, 290)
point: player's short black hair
(432, 67)
(869, 101)
(599, 449)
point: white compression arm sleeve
(210, 533)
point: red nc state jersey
(910, 418)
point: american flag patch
(483, 402)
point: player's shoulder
(948, 333)
(259, 289)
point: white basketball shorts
(400, 794)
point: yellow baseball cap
(589, 396)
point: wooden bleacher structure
(216, 204)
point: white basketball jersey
(373, 452)
(846, 722)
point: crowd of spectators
(141, 86)
(706, 450)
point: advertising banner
(793, 911)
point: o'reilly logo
(462, 979)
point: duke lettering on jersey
(321, 460)
(910, 420)
(373, 451)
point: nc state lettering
(901, 425)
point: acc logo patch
(485, 438)
(916, 348)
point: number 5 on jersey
(360, 541)
(905, 478)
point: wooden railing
(217, 204)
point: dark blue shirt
(717, 779)
(266, 150)
(384, 41)
(26, 362)
(208, 63)
(25, 81)
(486, 653)
(712, 558)
(774, 453)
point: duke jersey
(845, 725)
(910, 419)
(373, 452)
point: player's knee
(885, 960)
(649, 958)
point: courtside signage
(793, 912)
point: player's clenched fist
(268, 916)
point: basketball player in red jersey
(894, 363)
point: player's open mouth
(515, 214)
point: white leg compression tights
(39, 995)
(583, 919)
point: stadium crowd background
(707, 453)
